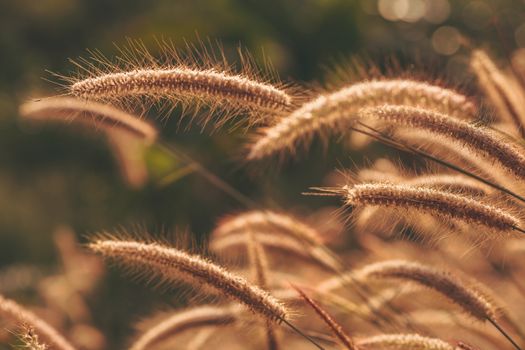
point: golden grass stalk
(258, 259)
(430, 201)
(472, 300)
(467, 296)
(479, 140)
(194, 318)
(127, 134)
(518, 64)
(97, 115)
(453, 153)
(406, 147)
(182, 82)
(172, 265)
(332, 112)
(12, 311)
(222, 245)
(259, 263)
(129, 153)
(268, 221)
(402, 342)
(279, 224)
(191, 78)
(502, 91)
(334, 326)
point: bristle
(30, 339)
(260, 270)
(94, 114)
(448, 182)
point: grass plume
(479, 140)
(94, 114)
(331, 112)
(430, 201)
(187, 77)
(193, 318)
(172, 265)
(403, 342)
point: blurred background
(55, 179)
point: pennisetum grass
(171, 265)
(14, 312)
(196, 317)
(402, 342)
(270, 221)
(97, 115)
(500, 89)
(477, 139)
(127, 134)
(416, 151)
(179, 77)
(430, 201)
(469, 299)
(332, 112)
(279, 224)
(466, 295)
(428, 121)
(260, 270)
(226, 245)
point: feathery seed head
(196, 317)
(479, 140)
(271, 222)
(431, 201)
(94, 114)
(172, 265)
(403, 342)
(333, 112)
(192, 79)
(472, 301)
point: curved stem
(208, 175)
(502, 331)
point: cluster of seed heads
(377, 108)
